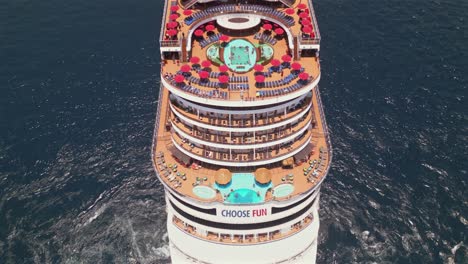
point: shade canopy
(198, 33)
(195, 60)
(224, 38)
(259, 78)
(185, 68)
(275, 62)
(258, 67)
(171, 32)
(303, 76)
(296, 66)
(210, 27)
(206, 63)
(289, 11)
(172, 24)
(179, 78)
(305, 21)
(223, 68)
(187, 12)
(223, 78)
(173, 16)
(223, 176)
(286, 58)
(303, 15)
(307, 30)
(203, 74)
(174, 8)
(267, 26)
(301, 6)
(263, 175)
(279, 31)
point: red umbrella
(187, 12)
(301, 15)
(171, 32)
(224, 38)
(289, 11)
(198, 33)
(296, 66)
(258, 67)
(173, 16)
(267, 26)
(206, 63)
(301, 6)
(223, 78)
(194, 60)
(185, 68)
(223, 68)
(303, 76)
(312, 35)
(275, 62)
(172, 24)
(260, 78)
(306, 10)
(179, 78)
(174, 8)
(286, 58)
(210, 27)
(307, 30)
(203, 74)
(305, 21)
(279, 31)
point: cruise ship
(241, 144)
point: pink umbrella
(279, 31)
(258, 67)
(267, 26)
(312, 35)
(171, 32)
(286, 58)
(203, 74)
(307, 30)
(173, 16)
(172, 24)
(206, 63)
(296, 66)
(223, 78)
(174, 8)
(179, 78)
(194, 60)
(187, 12)
(223, 68)
(305, 22)
(198, 33)
(301, 15)
(301, 6)
(224, 38)
(275, 62)
(260, 78)
(210, 27)
(303, 76)
(185, 68)
(289, 11)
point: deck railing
(163, 24)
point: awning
(179, 155)
(304, 153)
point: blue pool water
(243, 189)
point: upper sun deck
(247, 54)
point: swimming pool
(243, 189)
(204, 192)
(240, 55)
(283, 190)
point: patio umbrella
(258, 67)
(172, 24)
(195, 60)
(259, 78)
(279, 31)
(185, 68)
(267, 26)
(263, 175)
(198, 33)
(171, 32)
(289, 11)
(296, 66)
(223, 176)
(301, 6)
(210, 27)
(179, 78)
(173, 16)
(224, 38)
(286, 58)
(305, 21)
(275, 62)
(203, 74)
(187, 12)
(206, 63)
(223, 78)
(301, 15)
(303, 76)
(307, 30)
(174, 8)
(223, 68)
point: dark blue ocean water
(79, 83)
